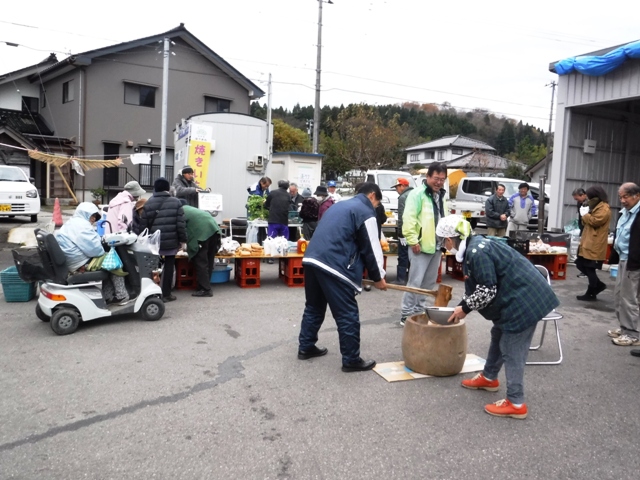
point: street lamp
(316, 110)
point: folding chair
(552, 316)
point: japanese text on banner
(199, 154)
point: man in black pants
(345, 242)
(203, 242)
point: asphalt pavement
(214, 390)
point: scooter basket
(29, 264)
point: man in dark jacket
(403, 189)
(278, 203)
(186, 187)
(627, 290)
(296, 198)
(498, 212)
(344, 243)
(164, 212)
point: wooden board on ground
(396, 371)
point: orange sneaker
(504, 408)
(479, 382)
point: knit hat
(331, 183)
(187, 169)
(161, 185)
(134, 189)
(306, 193)
(453, 226)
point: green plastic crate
(14, 288)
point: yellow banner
(199, 154)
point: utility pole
(545, 175)
(165, 96)
(269, 131)
(316, 110)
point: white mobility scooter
(66, 300)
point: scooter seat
(87, 277)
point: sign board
(199, 155)
(210, 202)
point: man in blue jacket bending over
(344, 244)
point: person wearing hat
(324, 200)
(403, 188)
(164, 212)
(506, 288)
(331, 188)
(186, 187)
(120, 212)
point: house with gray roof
(445, 149)
(108, 102)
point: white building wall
(11, 93)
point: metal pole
(165, 96)
(545, 175)
(316, 110)
(269, 131)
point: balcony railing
(148, 174)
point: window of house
(43, 96)
(213, 104)
(30, 104)
(440, 155)
(429, 155)
(414, 157)
(67, 92)
(456, 151)
(142, 95)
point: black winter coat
(164, 212)
(278, 203)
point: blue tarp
(599, 65)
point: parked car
(18, 195)
(386, 179)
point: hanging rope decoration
(59, 160)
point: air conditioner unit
(259, 161)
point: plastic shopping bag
(147, 243)
(111, 261)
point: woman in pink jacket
(120, 213)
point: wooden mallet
(443, 294)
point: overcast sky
(493, 54)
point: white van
(386, 179)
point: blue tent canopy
(601, 64)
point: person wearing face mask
(505, 287)
(324, 200)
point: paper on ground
(396, 371)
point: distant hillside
(413, 124)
